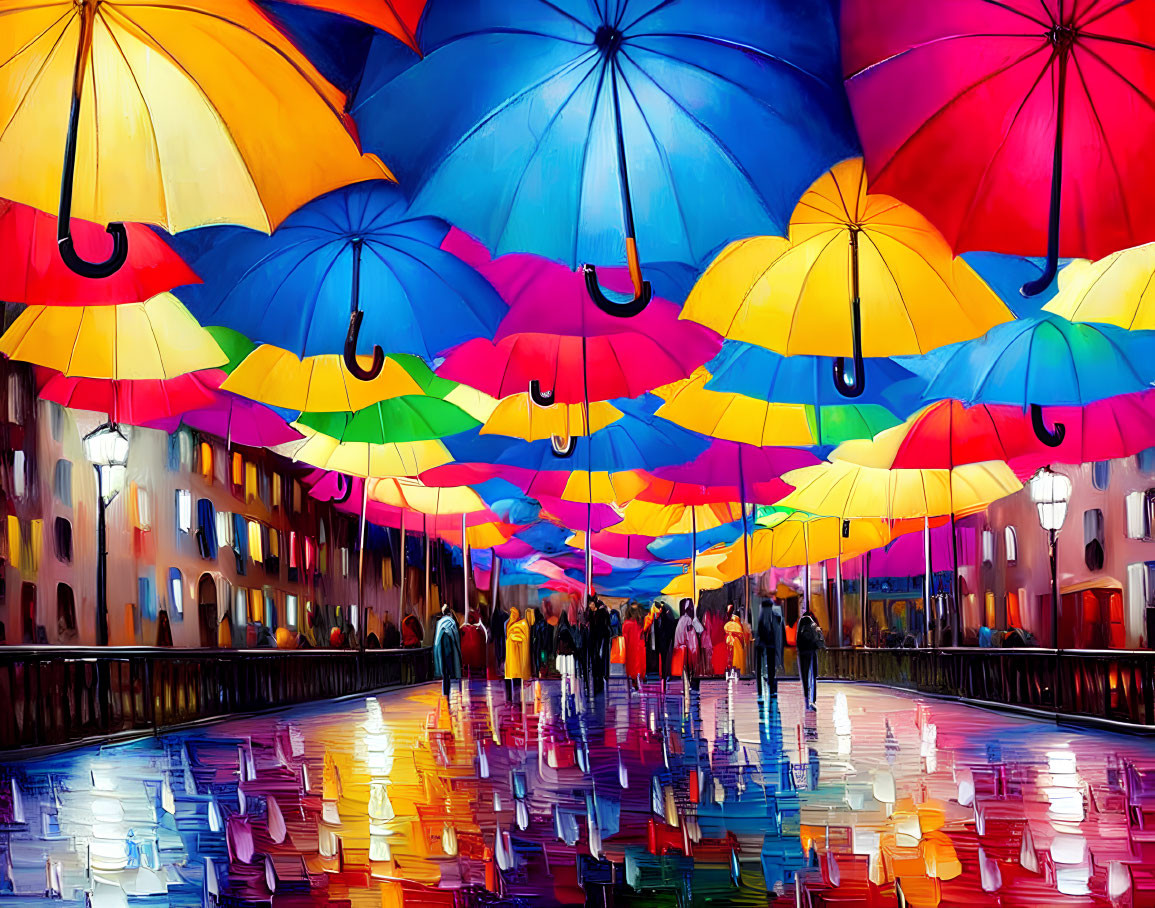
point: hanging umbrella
(556, 341)
(1034, 117)
(364, 459)
(31, 270)
(156, 339)
(595, 124)
(729, 464)
(734, 417)
(801, 538)
(1116, 290)
(398, 18)
(398, 419)
(597, 487)
(353, 258)
(648, 519)
(136, 402)
(860, 275)
(238, 420)
(1038, 362)
(621, 546)
(190, 127)
(519, 417)
(322, 383)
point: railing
(1110, 686)
(52, 696)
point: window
(18, 465)
(241, 542)
(265, 488)
(65, 612)
(256, 606)
(270, 609)
(16, 398)
(256, 550)
(250, 482)
(1137, 591)
(344, 561)
(296, 497)
(241, 609)
(278, 491)
(1145, 460)
(206, 529)
(294, 573)
(141, 507)
(1093, 553)
(62, 482)
(988, 540)
(184, 510)
(237, 472)
(291, 611)
(62, 535)
(1011, 542)
(56, 421)
(206, 464)
(176, 592)
(1101, 474)
(146, 595)
(273, 550)
(225, 529)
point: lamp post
(106, 448)
(1051, 492)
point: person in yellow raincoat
(737, 635)
(516, 653)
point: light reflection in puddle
(877, 798)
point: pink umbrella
(555, 335)
(623, 546)
(744, 467)
(238, 420)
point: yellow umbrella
(733, 417)
(683, 585)
(518, 417)
(847, 252)
(317, 384)
(1116, 290)
(643, 518)
(803, 538)
(363, 459)
(600, 487)
(476, 403)
(850, 490)
(183, 113)
(414, 495)
(156, 339)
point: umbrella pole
(494, 581)
(838, 591)
(745, 535)
(401, 592)
(465, 567)
(927, 569)
(428, 566)
(364, 613)
(956, 617)
(864, 598)
(589, 552)
(694, 556)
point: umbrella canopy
(156, 339)
(648, 519)
(726, 463)
(398, 18)
(669, 492)
(802, 538)
(31, 270)
(519, 417)
(362, 458)
(555, 335)
(322, 384)
(354, 249)
(191, 124)
(1034, 116)
(1116, 290)
(413, 495)
(238, 420)
(860, 275)
(548, 485)
(398, 419)
(605, 130)
(137, 402)
(624, 546)
(848, 490)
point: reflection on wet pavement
(877, 798)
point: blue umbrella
(1042, 361)
(1006, 274)
(301, 287)
(676, 127)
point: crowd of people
(584, 645)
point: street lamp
(1051, 492)
(106, 448)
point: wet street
(877, 798)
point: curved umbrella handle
(344, 489)
(561, 446)
(350, 352)
(1052, 438)
(117, 231)
(538, 396)
(845, 388)
(642, 296)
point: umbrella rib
(805, 280)
(582, 166)
(1018, 12)
(897, 288)
(654, 9)
(47, 59)
(747, 50)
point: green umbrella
(234, 344)
(836, 423)
(398, 419)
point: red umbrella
(133, 402)
(1014, 126)
(32, 271)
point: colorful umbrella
(156, 339)
(136, 402)
(191, 125)
(1042, 361)
(398, 18)
(648, 519)
(557, 341)
(31, 270)
(675, 127)
(352, 259)
(238, 420)
(519, 417)
(398, 419)
(362, 458)
(1116, 290)
(802, 538)
(1034, 116)
(860, 275)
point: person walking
(599, 641)
(664, 629)
(447, 649)
(687, 643)
(474, 638)
(809, 642)
(737, 636)
(770, 647)
(565, 653)
(412, 633)
(635, 649)
(516, 654)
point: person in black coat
(600, 635)
(497, 635)
(809, 641)
(664, 628)
(770, 645)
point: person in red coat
(474, 638)
(635, 648)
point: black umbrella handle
(562, 447)
(1052, 438)
(538, 396)
(627, 309)
(344, 489)
(355, 317)
(845, 388)
(117, 231)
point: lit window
(344, 561)
(257, 605)
(1137, 587)
(241, 609)
(176, 591)
(277, 490)
(256, 552)
(141, 506)
(292, 548)
(184, 510)
(291, 610)
(988, 547)
(1011, 541)
(237, 475)
(225, 529)
(250, 482)
(146, 596)
(207, 462)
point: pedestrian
(770, 647)
(516, 654)
(687, 643)
(541, 642)
(412, 633)
(810, 641)
(737, 636)
(390, 634)
(474, 637)
(635, 649)
(497, 622)
(664, 629)
(564, 655)
(447, 649)
(599, 644)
